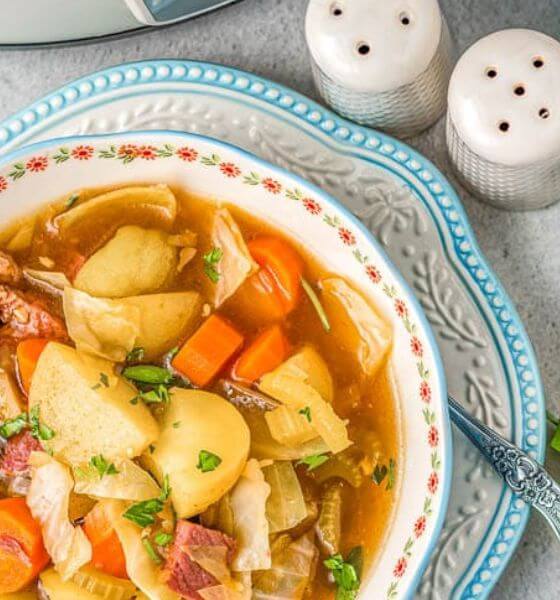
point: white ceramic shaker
(382, 63)
(503, 120)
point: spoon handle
(529, 480)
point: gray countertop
(266, 37)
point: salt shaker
(503, 120)
(381, 63)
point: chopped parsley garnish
(72, 200)
(211, 259)
(135, 355)
(346, 574)
(385, 471)
(103, 381)
(314, 461)
(151, 448)
(207, 461)
(151, 551)
(102, 466)
(312, 295)
(177, 424)
(163, 539)
(13, 426)
(150, 374)
(143, 513)
(306, 412)
(158, 395)
(39, 430)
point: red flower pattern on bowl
(127, 151)
(147, 152)
(346, 236)
(187, 154)
(3, 184)
(433, 482)
(373, 273)
(416, 346)
(271, 185)
(425, 391)
(400, 567)
(420, 526)
(229, 169)
(312, 206)
(400, 308)
(37, 164)
(82, 152)
(433, 436)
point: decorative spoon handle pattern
(529, 480)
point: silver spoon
(529, 480)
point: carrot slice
(207, 351)
(107, 552)
(284, 264)
(22, 554)
(268, 351)
(28, 352)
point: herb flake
(151, 551)
(143, 513)
(163, 539)
(345, 576)
(39, 430)
(207, 461)
(135, 355)
(102, 466)
(306, 412)
(314, 461)
(12, 427)
(211, 259)
(150, 374)
(385, 471)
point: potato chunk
(196, 421)
(356, 325)
(135, 261)
(112, 328)
(156, 200)
(11, 402)
(88, 407)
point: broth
(368, 405)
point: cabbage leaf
(130, 483)
(48, 499)
(285, 507)
(250, 526)
(143, 572)
(235, 264)
(292, 569)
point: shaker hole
(519, 90)
(504, 126)
(404, 19)
(363, 48)
(491, 72)
(538, 62)
(544, 113)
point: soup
(192, 406)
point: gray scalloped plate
(412, 210)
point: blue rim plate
(421, 175)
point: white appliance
(40, 22)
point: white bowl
(38, 174)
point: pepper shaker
(381, 63)
(503, 120)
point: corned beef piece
(15, 459)
(186, 576)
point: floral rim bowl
(45, 171)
